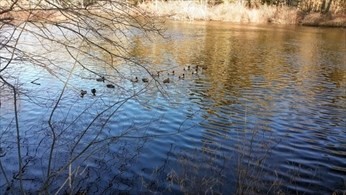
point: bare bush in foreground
(73, 43)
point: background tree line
(323, 6)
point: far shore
(237, 13)
(190, 11)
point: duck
(173, 73)
(135, 80)
(187, 68)
(167, 80)
(102, 79)
(93, 91)
(83, 92)
(197, 68)
(182, 76)
(145, 80)
(110, 86)
(194, 72)
(155, 75)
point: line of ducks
(145, 80)
(195, 70)
(93, 91)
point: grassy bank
(191, 11)
(239, 13)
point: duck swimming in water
(157, 74)
(187, 68)
(182, 76)
(135, 80)
(93, 91)
(110, 86)
(145, 80)
(166, 80)
(102, 79)
(83, 92)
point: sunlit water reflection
(265, 113)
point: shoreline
(324, 20)
(237, 13)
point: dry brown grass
(239, 13)
(185, 10)
(20, 16)
(190, 10)
(235, 12)
(328, 20)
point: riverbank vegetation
(331, 13)
(311, 12)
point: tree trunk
(326, 6)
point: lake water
(265, 113)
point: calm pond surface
(266, 113)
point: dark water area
(264, 114)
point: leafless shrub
(69, 41)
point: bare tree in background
(87, 34)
